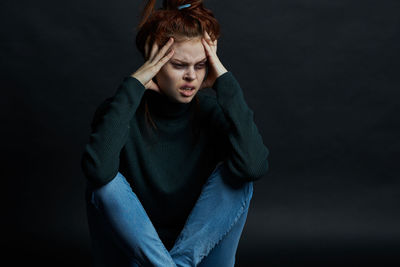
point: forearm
(248, 155)
(100, 159)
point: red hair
(169, 21)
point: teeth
(187, 88)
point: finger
(164, 60)
(154, 50)
(206, 35)
(209, 52)
(208, 48)
(211, 43)
(208, 38)
(163, 50)
(205, 44)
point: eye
(178, 66)
(201, 65)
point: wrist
(220, 73)
(221, 69)
(137, 78)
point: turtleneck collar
(163, 107)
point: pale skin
(180, 63)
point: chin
(186, 99)
(183, 99)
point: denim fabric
(123, 235)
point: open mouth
(187, 88)
(187, 91)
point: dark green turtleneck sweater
(166, 167)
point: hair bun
(176, 4)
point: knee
(223, 173)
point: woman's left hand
(216, 68)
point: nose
(190, 74)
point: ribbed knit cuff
(227, 87)
(132, 81)
(221, 79)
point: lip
(188, 85)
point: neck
(163, 107)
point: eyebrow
(185, 63)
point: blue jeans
(123, 235)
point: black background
(322, 78)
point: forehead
(189, 51)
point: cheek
(202, 73)
(169, 76)
(173, 74)
(164, 74)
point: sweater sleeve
(247, 155)
(110, 129)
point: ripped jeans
(123, 235)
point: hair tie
(183, 6)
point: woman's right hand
(152, 66)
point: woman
(170, 168)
